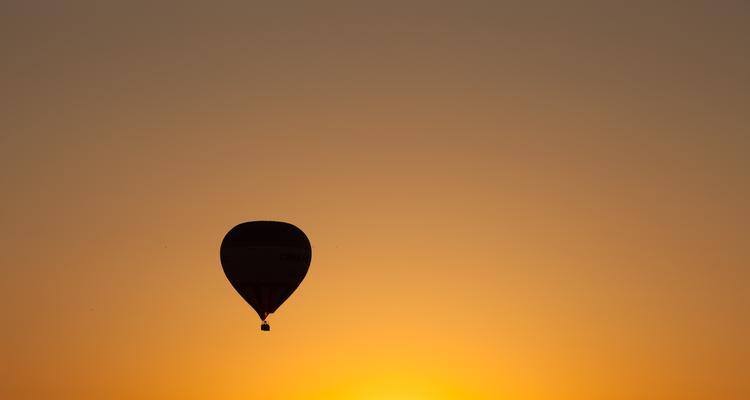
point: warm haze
(523, 200)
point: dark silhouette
(265, 261)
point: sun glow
(395, 396)
(399, 389)
(394, 386)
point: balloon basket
(265, 327)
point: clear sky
(506, 200)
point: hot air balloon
(265, 261)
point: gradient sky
(506, 200)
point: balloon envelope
(265, 261)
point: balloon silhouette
(265, 261)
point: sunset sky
(537, 200)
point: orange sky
(505, 201)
